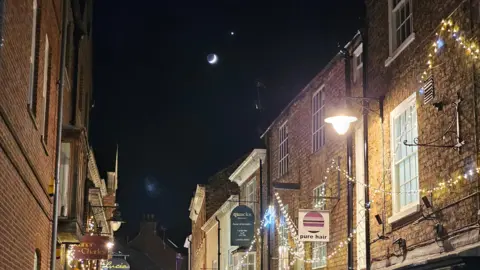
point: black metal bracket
(458, 141)
(365, 104)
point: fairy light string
(439, 186)
(451, 30)
(266, 219)
(300, 253)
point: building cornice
(248, 166)
(94, 175)
(226, 207)
(196, 203)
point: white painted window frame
(251, 194)
(394, 48)
(400, 212)
(283, 253)
(45, 91)
(317, 192)
(283, 149)
(238, 257)
(318, 116)
(317, 247)
(358, 54)
(31, 83)
(65, 166)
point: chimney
(149, 224)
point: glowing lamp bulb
(341, 123)
(109, 245)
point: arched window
(36, 260)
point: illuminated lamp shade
(341, 121)
(115, 225)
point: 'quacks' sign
(116, 263)
(92, 247)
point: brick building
(29, 64)
(151, 249)
(423, 57)
(247, 177)
(205, 203)
(300, 150)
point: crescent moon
(214, 60)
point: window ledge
(32, 116)
(400, 49)
(44, 144)
(407, 212)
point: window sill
(407, 212)
(32, 116)
(400, 49)
(44, 144)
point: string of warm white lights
(439, 186)
(452, 30)
(266, 219)
(291, 226)
(301, 255)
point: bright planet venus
(212, 59)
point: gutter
(53, 243)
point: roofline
(327, 66)
(256, 153)
(229, 203)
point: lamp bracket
(365, 101)
(458, 141)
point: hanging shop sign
(92, 247)
(313, 225)
(242, 226)
(116, 263)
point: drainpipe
(261, 213)
(218, 243)
(61, 83)
(269, 200)
(364, 35)
(348, 93)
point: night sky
(176, 118)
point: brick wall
(26, 164)
(198, 240)
(309, 169)
(453, 73)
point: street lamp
(116, 220)
(341, 122)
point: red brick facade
(308, 168)
(27, 158)
(396, 76)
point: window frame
(33, 58)
(394, 10)
(283, 247)
(318, 113)
(316, 200)
(316, 191)
(237, 257)
(46, 90)
(251, 195)
(358, 54)
(36, 260)
(394, 48)
(283, 149)
(319, 246)
(64, 186)
(398, 210)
